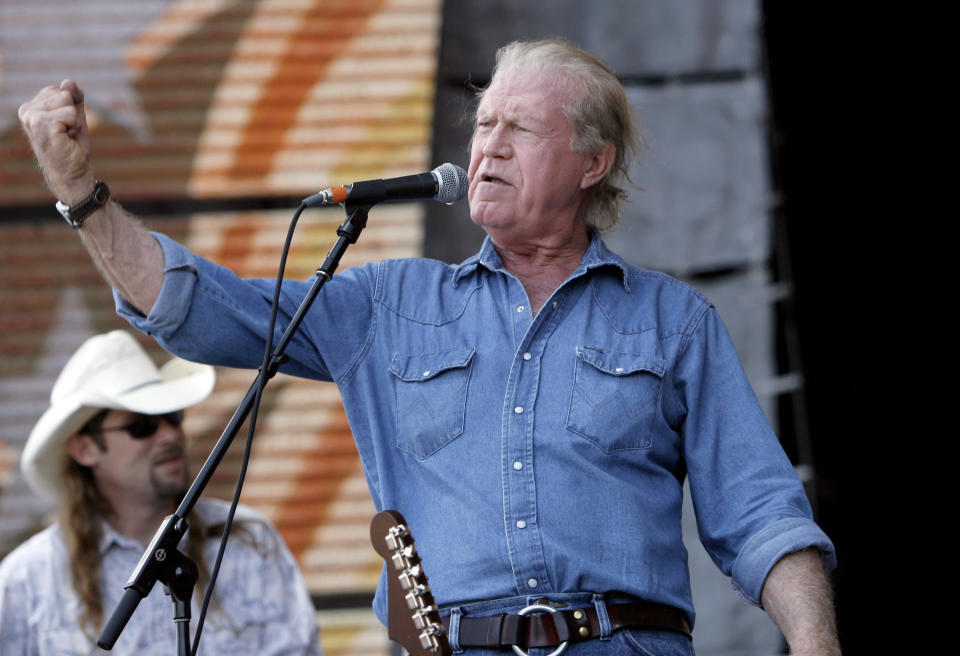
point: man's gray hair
(597, 108)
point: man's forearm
(127, 255)
(798, 597)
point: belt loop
(602, 616)
(453, 631)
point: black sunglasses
(146, 425)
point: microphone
(447, 183)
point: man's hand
(128, 256)
(56, 125)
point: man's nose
(496, 143)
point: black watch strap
(76, 214)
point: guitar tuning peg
(395, 535)
(400, 562)
(404, 558)
(422, 619)
(415, 598)
(429, 641)
(409, 577)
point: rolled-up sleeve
(765, 548)
(171, 306)
(206, 313)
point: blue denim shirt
(529, 454)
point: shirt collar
(111, 538)
(596, 256)
(486, 255)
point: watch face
(101, 194)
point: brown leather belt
(550, 629)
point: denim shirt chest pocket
(615, 398)
(431, 397)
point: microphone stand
(162, 561)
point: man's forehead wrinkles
(511, 110)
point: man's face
(525, 181)
(147, 469)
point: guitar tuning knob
(428, 641)
(415, 599)
(422, 619)
(394, 537)
(409, 577)
(400, 562)
(403, 558)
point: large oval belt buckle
(539, 608)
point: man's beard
(170, 487)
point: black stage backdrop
(858, 97)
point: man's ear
(599, 165)
(83, 449)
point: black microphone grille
(453, 183)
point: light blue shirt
(260, 604)
(529, 454)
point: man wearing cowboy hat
(110, 451)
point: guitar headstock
(413, 620)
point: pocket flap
(621, 364)
(413, 368)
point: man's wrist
(76, 213)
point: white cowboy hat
(108, 371)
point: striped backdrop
(199, 111)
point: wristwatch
(76, 214)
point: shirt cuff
(173, 303)
(763, 550)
